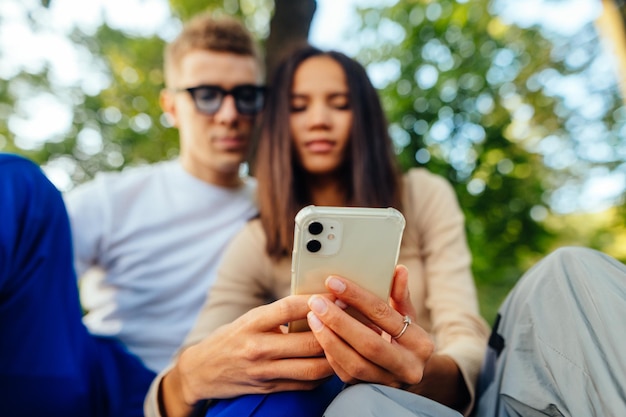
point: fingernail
(318, 304)
(341, 304)
(336, 285)
(314, 322)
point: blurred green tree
(469, 96)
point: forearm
(443, 382)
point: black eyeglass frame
(235, 92)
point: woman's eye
(297, 106)
(340, 102)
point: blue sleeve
(34, 228)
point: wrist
(443, 382)
(173, 400)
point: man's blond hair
(207, 33)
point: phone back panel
(361, 244)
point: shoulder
(18, 168)
(251, 236)
(422, 186)
(246, 254)
(119, 184)
(428, 195)
(131, 176)
(9, 160)
(426, 180)
(21, 178)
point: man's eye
(208, 95)
(246, 94)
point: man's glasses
(249, 99)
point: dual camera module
(322, 236)
(314, 245)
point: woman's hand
(250, 355)
(383, 352)
(360, 353)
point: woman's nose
(319, 115)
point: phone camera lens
(316, 228)
(314, 245)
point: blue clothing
(49, 363)
(280, 404)
(332, 400)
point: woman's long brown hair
(371, 175)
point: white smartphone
(361, 244)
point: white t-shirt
(157, 233)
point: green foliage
(125, 115)
(118, 125)
(467, 103)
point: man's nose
(227, 112)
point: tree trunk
(289, 28)
(610, 26)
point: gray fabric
(372, 400)
(564, 330)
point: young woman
(324, 141)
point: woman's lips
(320, 145)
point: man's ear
(168, 105)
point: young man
(157, 233)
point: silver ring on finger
(406, 321)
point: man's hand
(253, 354)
